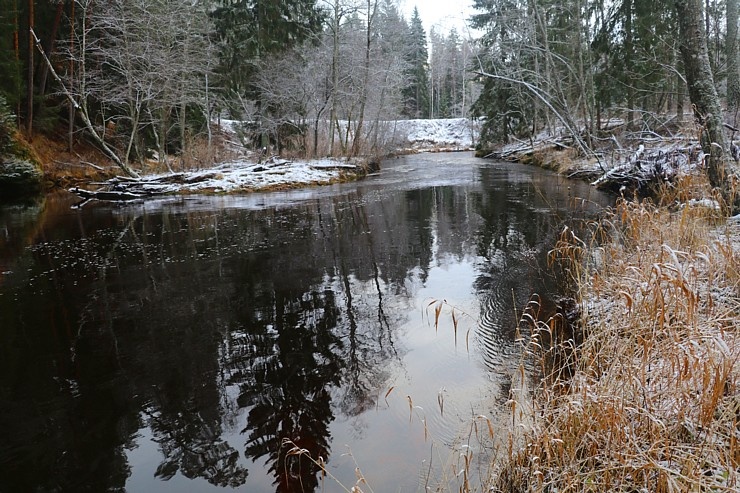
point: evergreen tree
(507, 110)
(392, 28)
(416, 93)
(637, 46)
(253, 30)
(19, 63)
(7, 127)
(574, 60)
(11, 82)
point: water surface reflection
(179, 345)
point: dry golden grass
(651, 402)
(63, 169)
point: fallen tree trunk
(518, 152)
(646, 169)
(113, 195)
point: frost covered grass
(649, 400)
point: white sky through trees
(440, 14)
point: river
(179, 344)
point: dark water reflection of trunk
(178, 345)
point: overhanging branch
(85, 118)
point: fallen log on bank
(273, 173)
(658, 160)
(105, 194)
(123, 188)
(645, 169)
(523, 150)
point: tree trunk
(71, 109)
(29, 87)
(733, 64)
(366, 78)
(721, 168)
(17, 49)
(334, 76)
(629, 64)
(51, 47)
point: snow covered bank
(250, 172)
(245, 176)
(440, 134)
(237, 176)
(417, 135)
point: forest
(275, 320)
(143, 79)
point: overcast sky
(440, 14)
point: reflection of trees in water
(19, 226)
(296, 308)
(303, 298)
(520, 221)
(66, 417)
(285, 362)
(193, 446)
(168, 348)
(365, 247)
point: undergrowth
(650, 400)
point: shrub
(7, 126)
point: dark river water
(180, 344)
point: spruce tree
(416, 93)
(11, 67)
(251, 31)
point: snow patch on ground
(453, 133)
(241, 175)
(415, 135)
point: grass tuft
(650, 398)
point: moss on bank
(20, 171)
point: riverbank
(230, 165)
(642, 394)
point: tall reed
(651, 400)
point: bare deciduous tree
(140, 62)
